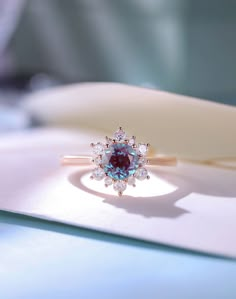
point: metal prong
(91, 144)
(134, 185)
(108, 140)
(91, 177)
(134, 146)
(120, 128)
(120, 193)
(148, 144)
(148, 177)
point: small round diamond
(120, 135)
(131, 181)
(98, 174)
(98, 160)
(119, 186)
(98, 148)
(132, 141)
(108, 181)
(141, 174)
(109, 140)
(142, 161)
(142, 148)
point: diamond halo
(120, 161)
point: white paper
(189, 206)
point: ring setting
(120, 161)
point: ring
(120, 161)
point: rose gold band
(87, 160)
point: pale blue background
(45, 260)
(183, 46)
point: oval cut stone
(120, 161)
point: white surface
(173, 124)
(188, 206)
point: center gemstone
(120, 161)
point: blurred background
(182, 46)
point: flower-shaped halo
(120, 161)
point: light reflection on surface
(148, 188)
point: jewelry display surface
(191, 206)
(176, 204)
(120, 161)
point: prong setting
(130, 153)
